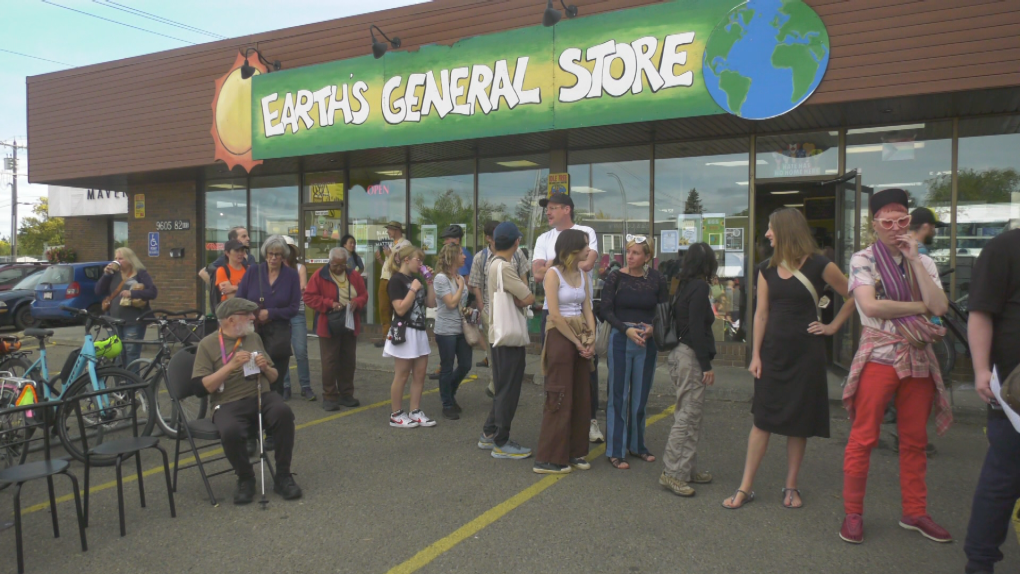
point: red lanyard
(223, 350)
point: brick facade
(89, 236)
(175, 278)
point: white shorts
(416, 345)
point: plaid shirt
(909, 362)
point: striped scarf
(900, 284)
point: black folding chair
(95, 422)
(180, 387)
(22, 428)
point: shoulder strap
(499, 277)
(117, 290)
(807, 284)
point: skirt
(416, 345)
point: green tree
(40, 231)
(5, 247)
(973, 186)
(693, 203)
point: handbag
(398, 332)
(508, 327)
(664, 326)
(337, 321)
(275, 334)
(602, 332)
(472, 334)
(109, 300)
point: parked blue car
(71, 284)
(16, 303)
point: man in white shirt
(559, 212)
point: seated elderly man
(220, 362)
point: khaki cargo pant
(682, 446)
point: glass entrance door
(848, 241)
(323, 229)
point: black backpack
(215, 295)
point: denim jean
(631, 370)
(451, 347)
(299, 340)
(995, 497)
(135, 331)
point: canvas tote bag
(508, 326)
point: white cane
(262, 452)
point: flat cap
(234, 306)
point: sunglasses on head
(636, 238)
(888, 224)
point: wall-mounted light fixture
(379, 48)
(247, 70)
(552, 15)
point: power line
(156, 18)
(34, 57)
(114, 21)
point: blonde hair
(403, 254)
(647, 245)
(447, 260)
(793, 237)
(126, 253)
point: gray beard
(243, 330)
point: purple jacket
(282, 298)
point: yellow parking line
(436, 549)
(215, 452)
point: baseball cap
(923, 215)
(558, 198)
(506, 232)
(886, 197)
(455, 231)
(233, 245)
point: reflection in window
(226, 207)
(377, 196)
(120, 234)
(274, 209)
(442, 194)
(509, 190)
(914, 157)
(988, 189)
(610, 189)
(797, 155)
(701, 195)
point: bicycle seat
(38, 333)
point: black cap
(886, 197)
(560, 198)
(923, 215)
(455, 231)
(233, 245)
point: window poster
(734, 239)
(714, 229)
(428, 239)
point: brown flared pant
(566, 417)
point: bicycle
(176, 330)
(88, 372)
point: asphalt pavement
(382, 500)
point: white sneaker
(400, 419)
(594, 433)
(420, 419)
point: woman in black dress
(788, 361)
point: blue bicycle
(89, 369)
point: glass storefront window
(226, 207)
(377, 195)
(917, 158)
(611, 193)
(120, 233)
(442, 194)
(988, 189)
(701, 195)
(797, 155)
(508, 190)
(273, 209)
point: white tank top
(570, 298)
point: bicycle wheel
(17, 366)
(95, 412)
(945, 352)
(166, 410)
(11, 452)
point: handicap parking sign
(153, 244)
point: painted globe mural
(766, 57)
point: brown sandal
(619, 463)
(645, 456)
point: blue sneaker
(486, 442)
(511, 450)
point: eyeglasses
(888, 224)
(636, 238)
(274, 254)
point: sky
(54, 35)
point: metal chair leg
(169, 490)
(201, 470)
(88, 468)
(17, 528)
(53, 507)
(177, 453)
(120, 497)
(77, 506)
(141, 484)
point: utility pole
(14, 200)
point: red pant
(914, 399)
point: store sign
(74, 201)
(671, 60)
